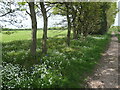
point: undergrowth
(61, 67)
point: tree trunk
(103, 29)
(73, 22)
(69, 24)
(34, 28)
(45, 18)
(105, 22)
(74, 25)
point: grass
(118, 35)
(67, 66)
(119, 38)
(7, 36)
(117, 32)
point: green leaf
(21, 3)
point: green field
(26, 35)
(62, 66)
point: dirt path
(106, 74)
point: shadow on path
(106, 74)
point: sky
(117, 19)
(52, 21)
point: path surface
(106, 74)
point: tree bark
(45, 18)
(69, 24)
(34, 28)
(103, 29)
(73, 22)
(104, 25)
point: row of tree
(83, 18)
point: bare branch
(28, 13)
(49, 9)
(11, 11)
(49, 15)
(38, 6)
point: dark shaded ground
(106, 73)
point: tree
(67, 5)
(111, 14)
(34, 28)
(64, 10)
(9, 11)
(45, 18)
(74, 17)
(104, 7)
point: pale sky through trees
(117, 19)
(52, 21)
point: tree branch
(11, 11)
(28, 13)
(49, 15)
(49, 9)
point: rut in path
(106, 74)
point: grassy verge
(116, 30)
(62, 66)
(118, 35)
